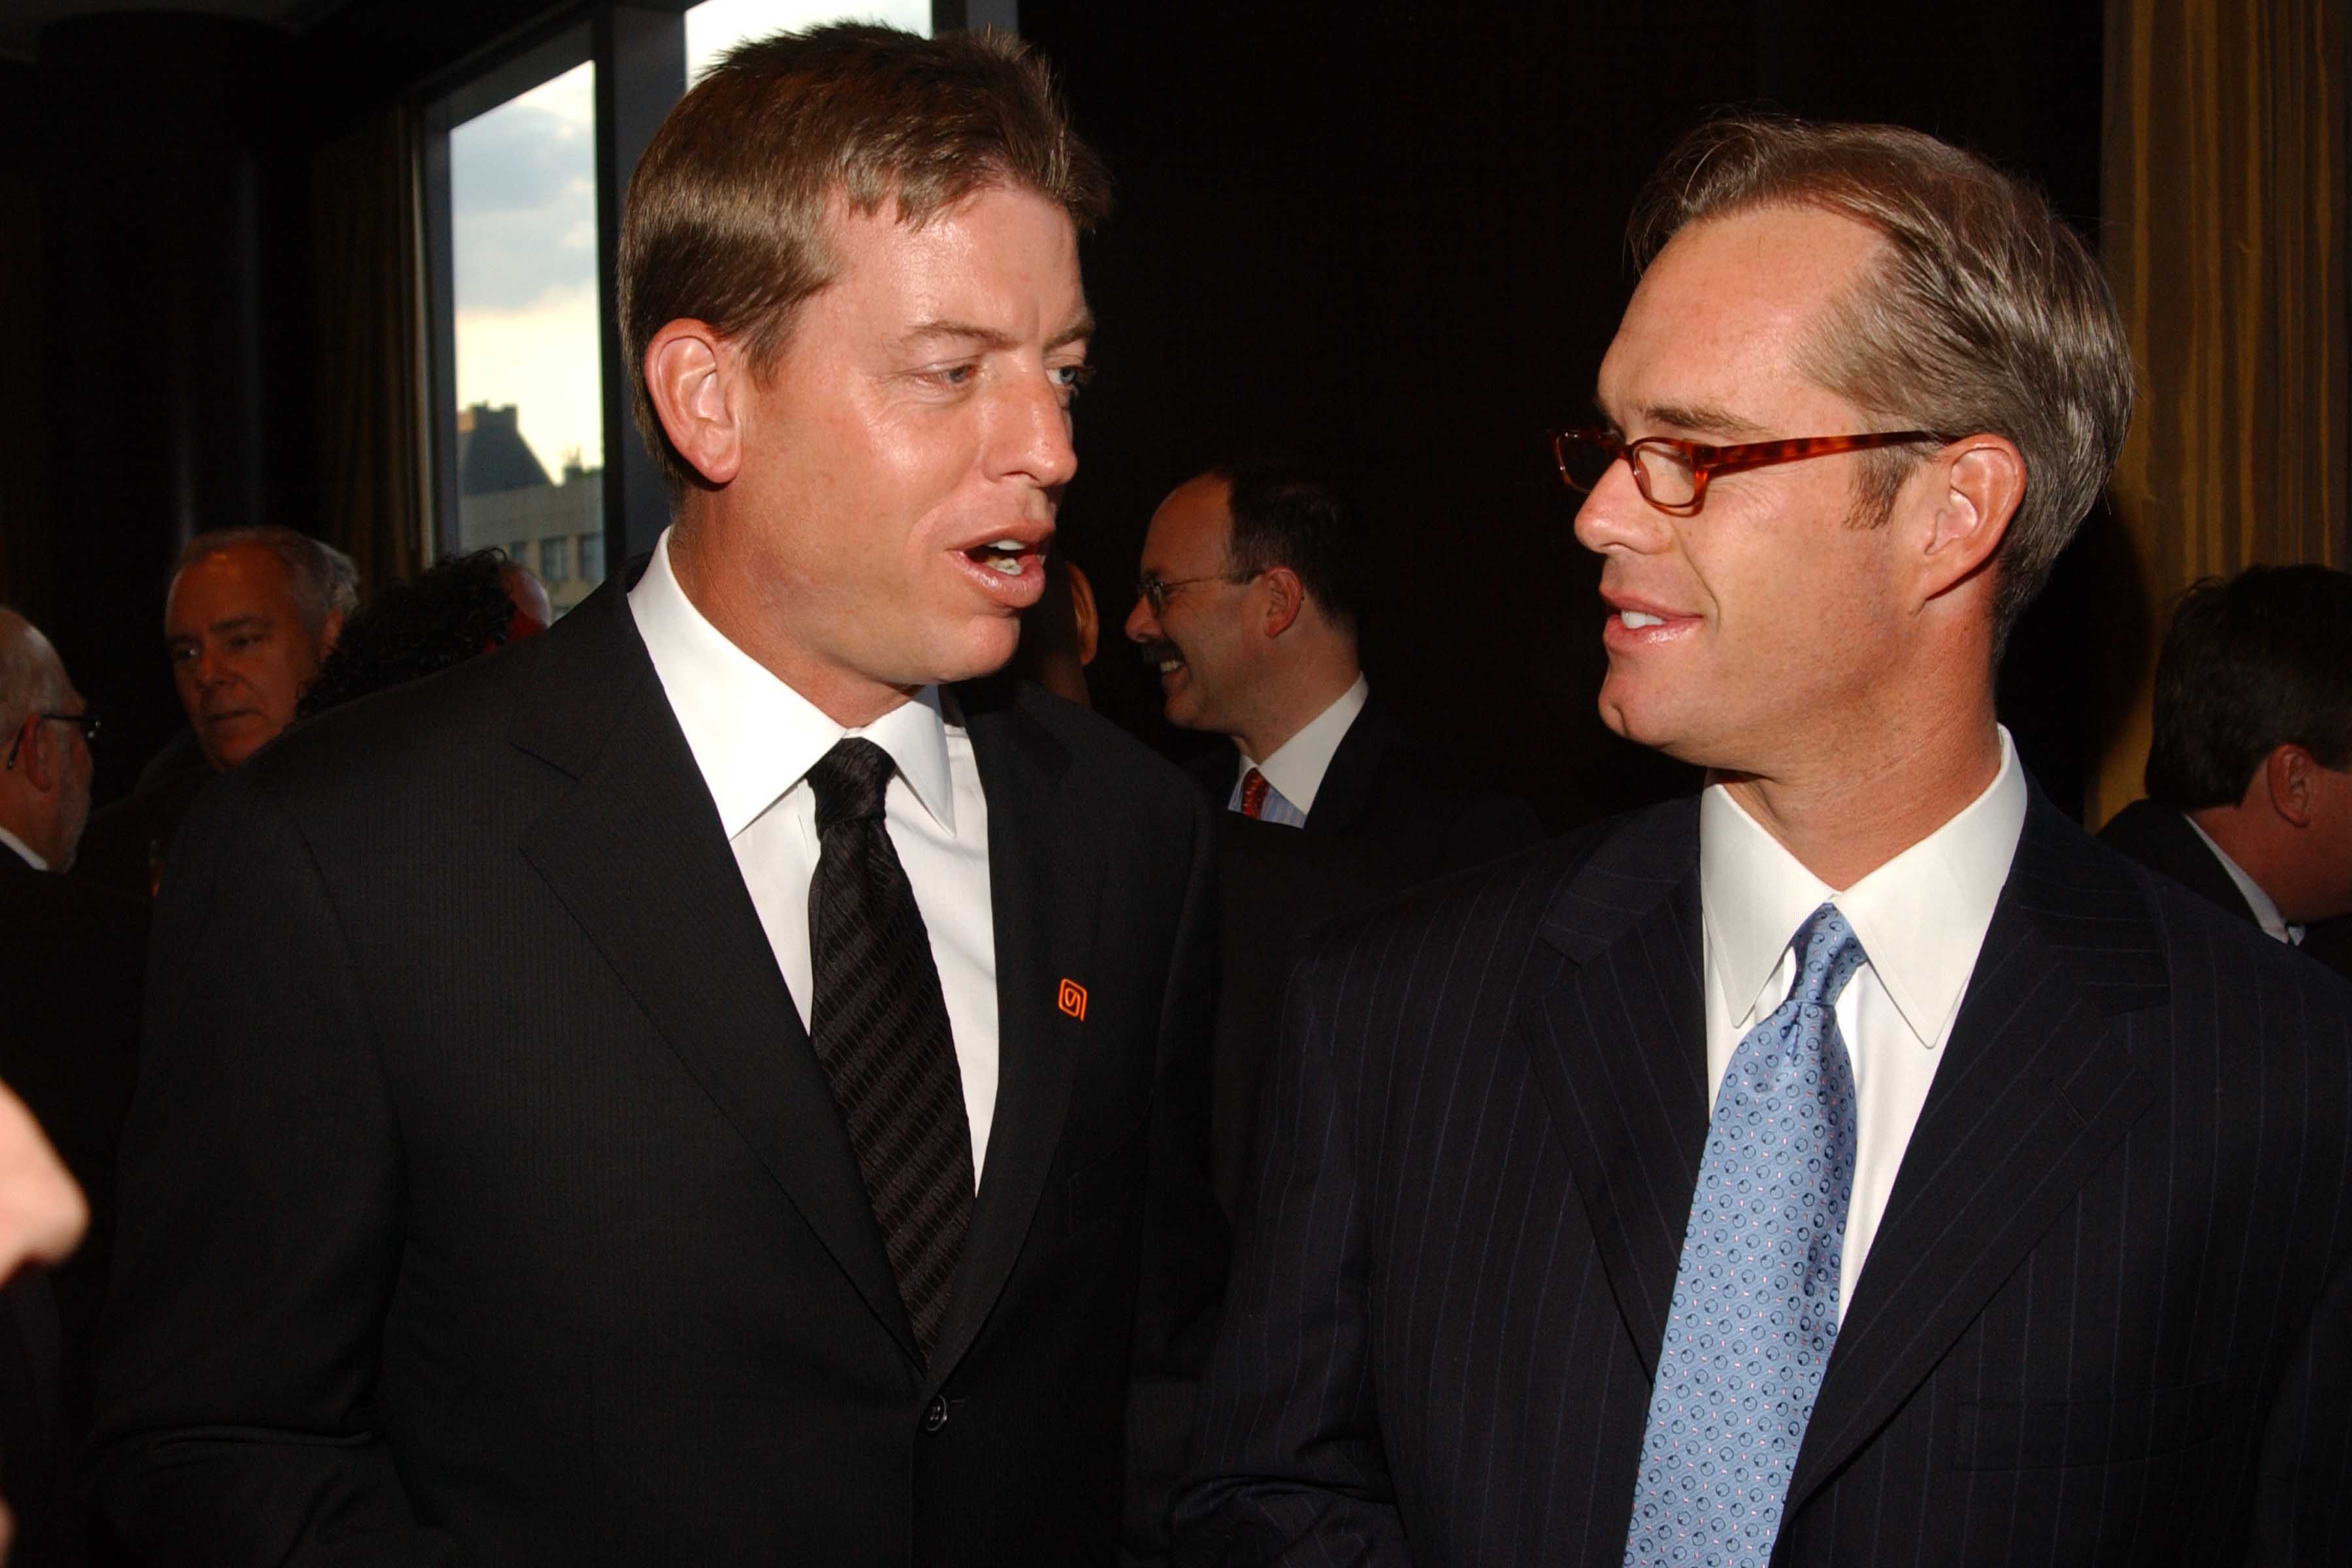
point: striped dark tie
(879, 1025)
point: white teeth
(1171, 666)
(1012, 546)
(1008, 564)
(1635, 618)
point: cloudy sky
(523, 193)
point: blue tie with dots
(1756, 1294)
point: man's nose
(1038, 433)
(1616, 516)
(1142, 625)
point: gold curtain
(368, 214)
(2224, 191)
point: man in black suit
(2250, 767)
(71, 959)
(1247, 607)
(569, 1077)
(2018, 1230)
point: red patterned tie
(1253, 788)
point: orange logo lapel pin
(1072, 999)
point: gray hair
(32, 676)
(1985, 312)
(322, 577)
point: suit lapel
(1044, 885)
(1346, 792)
(635, 851)
(1619, 1040)
(2036, 1092)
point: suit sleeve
(259, 1241)
(1186, 1240)
(1289, 1467)
(2303, 1502)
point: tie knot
(1828, 953)
(849, 781)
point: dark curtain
(372, 383)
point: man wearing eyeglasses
(1857, 1163)
(72, 957)
(1246, 609)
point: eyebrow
(234, 624)
(1081, 327)
(1702, 418)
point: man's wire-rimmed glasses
(1154, 589)
(1672, 473)
(87, 722)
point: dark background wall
(1389, 234)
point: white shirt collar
(752, 736)
(23, 850)
(1298, 765)
(2267, 909)
(1921, 917)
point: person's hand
(42, 1213)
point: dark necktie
(879, 1025)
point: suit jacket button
(935, 1417)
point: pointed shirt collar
(23, 850)
(752, 736)
(1921, 917)
(1296, 768)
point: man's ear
(330, 632)
(691, 374)
(2289, 773)
(1982, 480)
(1083, 612)
(33, 758)
(1287, 596)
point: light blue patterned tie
(1756, 1295)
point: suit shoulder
(1106, 759)
(1499, 900)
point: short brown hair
(1985, 313)
(725, 218)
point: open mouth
(1008, 557)
(1160, 658)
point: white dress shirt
(755, 739)
(2267, 909)
(1921, 918)
(1296, 768)
(23, 850)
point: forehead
(1722, 319)
(244, 579)
(1190, 530)
(1002, 245)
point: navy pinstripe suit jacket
(2107, 1317)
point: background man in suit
(1247, 607)
(251, 616)
(571, 1074)
(2249, 769)
(1929, 1284)
(71, 958)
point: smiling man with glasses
(1246, 609)
(1856, 1163)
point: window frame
(638, 47)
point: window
(533, 439)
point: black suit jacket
(2106, 1317)
(484, 1201)
(2160, 839)
(1386, 794)
(72, 957)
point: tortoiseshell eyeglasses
(1673, 473)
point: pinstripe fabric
(2106, 1319)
